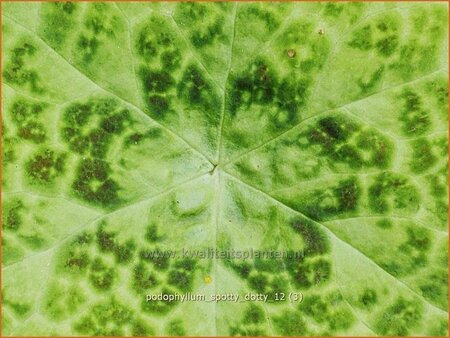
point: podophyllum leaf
(130, 128)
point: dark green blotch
(255, 86)
(438, 88)
(348, 193)
(77, 261)
(84, 238)
(368, 85)
(13, 219)
(414, 118)
(279, 284)
(115, 123)
(423, 157)
(33, 131)
(77, 142)
(414, 248)
(16, 70)
(368, 298)
(88, 46)
(292, 261)
(21, 309)
(415, 57)
(156, 81)
(254, 12)
(176, 328)
(8, 150)
(335, 200)
(440, 328)
(290, 323)
(387, 45)
(327, 309)
(441, 208)
(384, 223)
(315, 241)
(124, 252)
(158, 258)
(140, 329)
(403, 194)
(379, 147)
(291, 96)
(180, 279)
(330, 130)
(400, 318)
(66, 7)
(85, 325)
(136, 138)
(241, 331)
(96, 20)
(33, 241)
(153, 38)
(314, 306)
(101, 276)
(387, 24)
(45, 166)
(145, 46)
(309, 273)
(333, 9)
(412, 100)
(105, 319)
(99, 141)
(258, 282)
(170, 59)
(58, 20)
(182, 274)
(92, 171)
(435, 287)
(197, 91)
(347, 153)
(133, 139)
(192, 12)
(105, 240)
(268, 264)
(418, 238)
(240, 94)
(84, 138)
(151, 234)
(143, 279)
(77, 114)
(106, 243)
(207, 35)
(254, 314)
(335, 135)
(340, 319)
(159, 307)
(243, 268)
(322, 271)
(25, 115)
(203, 32)
(187, 264)
(62, 302)
(158, 104)
(362, 38)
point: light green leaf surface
(315, 127)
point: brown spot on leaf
(291, 53)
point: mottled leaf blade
(131, 130)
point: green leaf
(133, 131)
